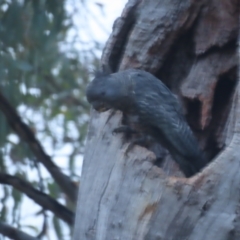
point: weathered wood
(113, 185)
(195, 85)
(206, 206)
(127, 196)
(130, 198)
(217, 24)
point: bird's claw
(124, 129)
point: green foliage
(46, 84)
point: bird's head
(106, 92)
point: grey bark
(192, 46)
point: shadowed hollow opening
(215, 140)
(174, 70)
(212, 138)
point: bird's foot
(128, 131)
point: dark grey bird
(139, 93)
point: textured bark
(192, 47)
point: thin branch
(70, 99)
(39, 197)
(25, 133)
(14, 233)
(42, 189)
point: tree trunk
(192, 47)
